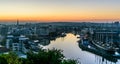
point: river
(71, 50)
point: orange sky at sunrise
(60, 10)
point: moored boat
(108, 49)
(92, 48)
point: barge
(92, 49)
(107, 49)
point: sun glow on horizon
(59, 10)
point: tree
(3, 60)
(69, 61)
(11, 58)
(53, 56)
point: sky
(60, 10)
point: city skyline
(59, 10)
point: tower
(17, 23)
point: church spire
(17, 22)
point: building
(105, 36)
(3, 30)
(43, 31)
(17, 43)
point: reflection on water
(71, 49)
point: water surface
(71, 50)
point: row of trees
(53, 56)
